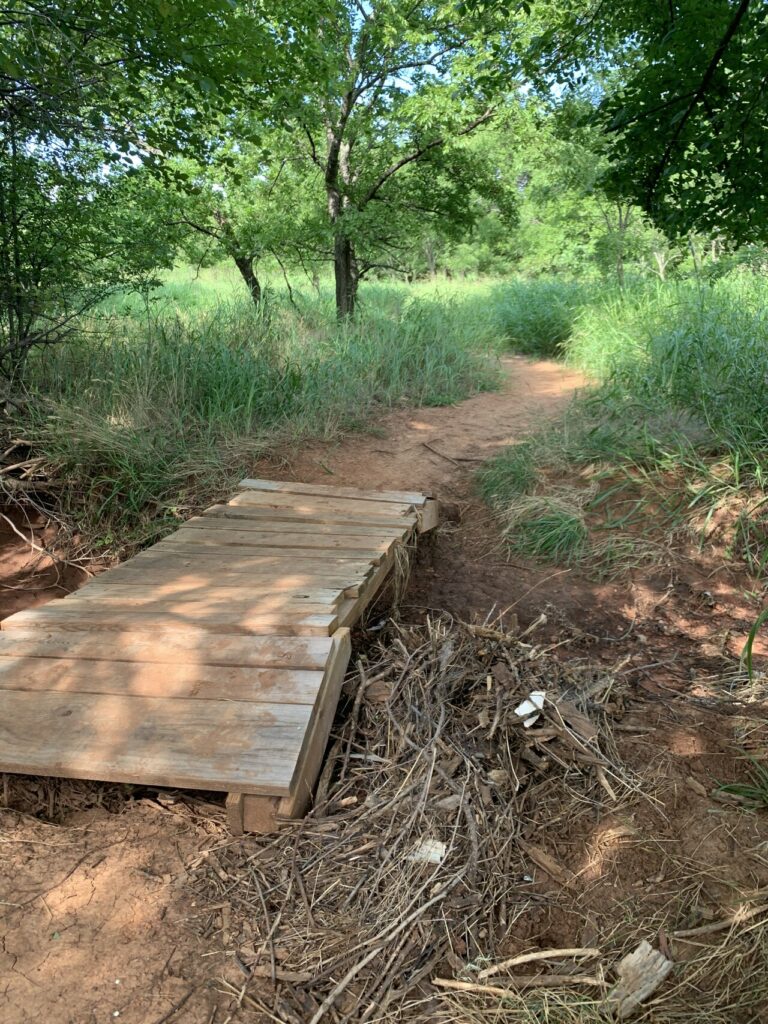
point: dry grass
(538, 837)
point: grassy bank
(673, 437)
(161, 405)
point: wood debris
(443, 769)
(640, 974)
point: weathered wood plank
(283, 564)
(247, 539)
(245, 597)
(226, 550)
(311, 504)
(316, 737)
(350, 610)
(141, 578)
(334, 491)
(290, 515)
(196, 608)
(395, 530)
(233, 746)
(68, 615)
(194, 682)
(234, 807)
(260, 813)
(195, 648)
(429, 516)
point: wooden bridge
(212, 660)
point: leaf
(746, 654)
(9, 66)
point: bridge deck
(212, 660)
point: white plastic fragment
(530, 707)
(428, 851)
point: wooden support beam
(429, 516)
(234, 806)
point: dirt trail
(436, 449)
(690, 615)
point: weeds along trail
(148, 415)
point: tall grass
(537, 317)
(678, 411)
(160, 406)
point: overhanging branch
(417, 154)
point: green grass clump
(547, 528)
(754, 792)
(154, 412)
(538, 317)
(511, 472)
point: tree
(135, 75)
(93, 96)
(566, 224)
(688, 125)
(68, 236)
(402, 83)
(250, 200)
(679, 90)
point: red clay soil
(28, 577)
(97, 923)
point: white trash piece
(428, 851)
(530, 707)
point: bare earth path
(436, 448)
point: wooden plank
(137, 577)
(429, 516)
(333, 491)
(172, 595)
(250, 607)
(68, 615)
(393, 530)
(258, 539)
(283, 564)
(290, 515)
(198, 682)
(190, 546)
(201, 648)
(234, 746)
(260, 814)
(350, 610)
(316, 737)
(312, 504)
(210, 575)
(234, 807)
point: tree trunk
(248, 274)
(429, 253)
(345, 272)
(337, 173)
